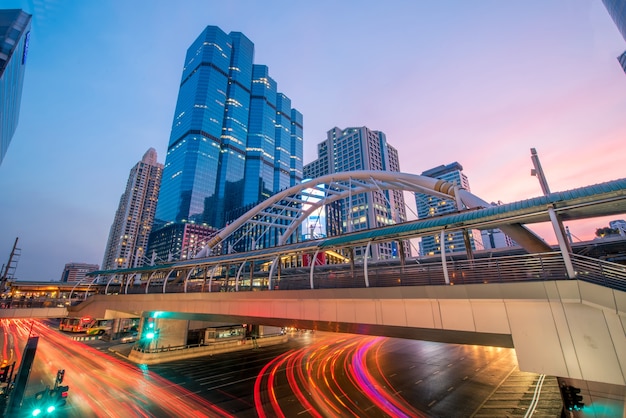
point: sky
(477, 82)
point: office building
(351, 149)
(128, 238)
(428, 206)
(177, 241)
(14, 36)
(494, 238)
(235, 139)
(617, 10)
(76, 272)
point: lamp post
(557, 224)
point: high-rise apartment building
(235, 139)
(128, 238)
(428, 206)
(14, 36)
(354, 149)
(76, 272)
(617, 10)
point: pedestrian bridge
(567, 328)
(565, 314)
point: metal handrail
(505, 269)
(602, 272)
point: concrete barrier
(165, 354)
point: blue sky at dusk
(477, 82)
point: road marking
(466, 377)
(304, 412)
(450, 365)
(451, 388)
(436, 371)
(418, 382)
(392, 375)
(412, 367)
(432, 403)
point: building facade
(128, 237)
(177, 241)
(14, 37)
(235, 139)
(76, 272)
(351, 149)
(428, 206)
(494, 238)
(617, 10)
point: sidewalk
(515, 395)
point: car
(129, 337)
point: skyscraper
(353, 149)
(128, 238)
(428, 206)
(14, 36)
(617, 10)
(235, 139)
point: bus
(84, 324)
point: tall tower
(14, 36)
(354, 149)
(617, 10)
(232, 136)
(133, 221)
(428, 206)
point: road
(325, 374)
(313, 375)
(101, 385)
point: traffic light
(572, 400)
(5, 372)
(47, 401)
(61, 395)
(60, 376)
(148, 328)
(40, 400)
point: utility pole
(538, 172)
(7, 267)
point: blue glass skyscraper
(617, 10)
(235, 139)
(14, 35)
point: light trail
(331, 378)
(102, 385)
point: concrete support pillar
(563, 243)
(442, 245)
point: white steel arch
(336, 186)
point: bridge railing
(22, 303)
(544, 266)
(600, 272)
(526, 267)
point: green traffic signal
(150, 335)
(36, 412)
